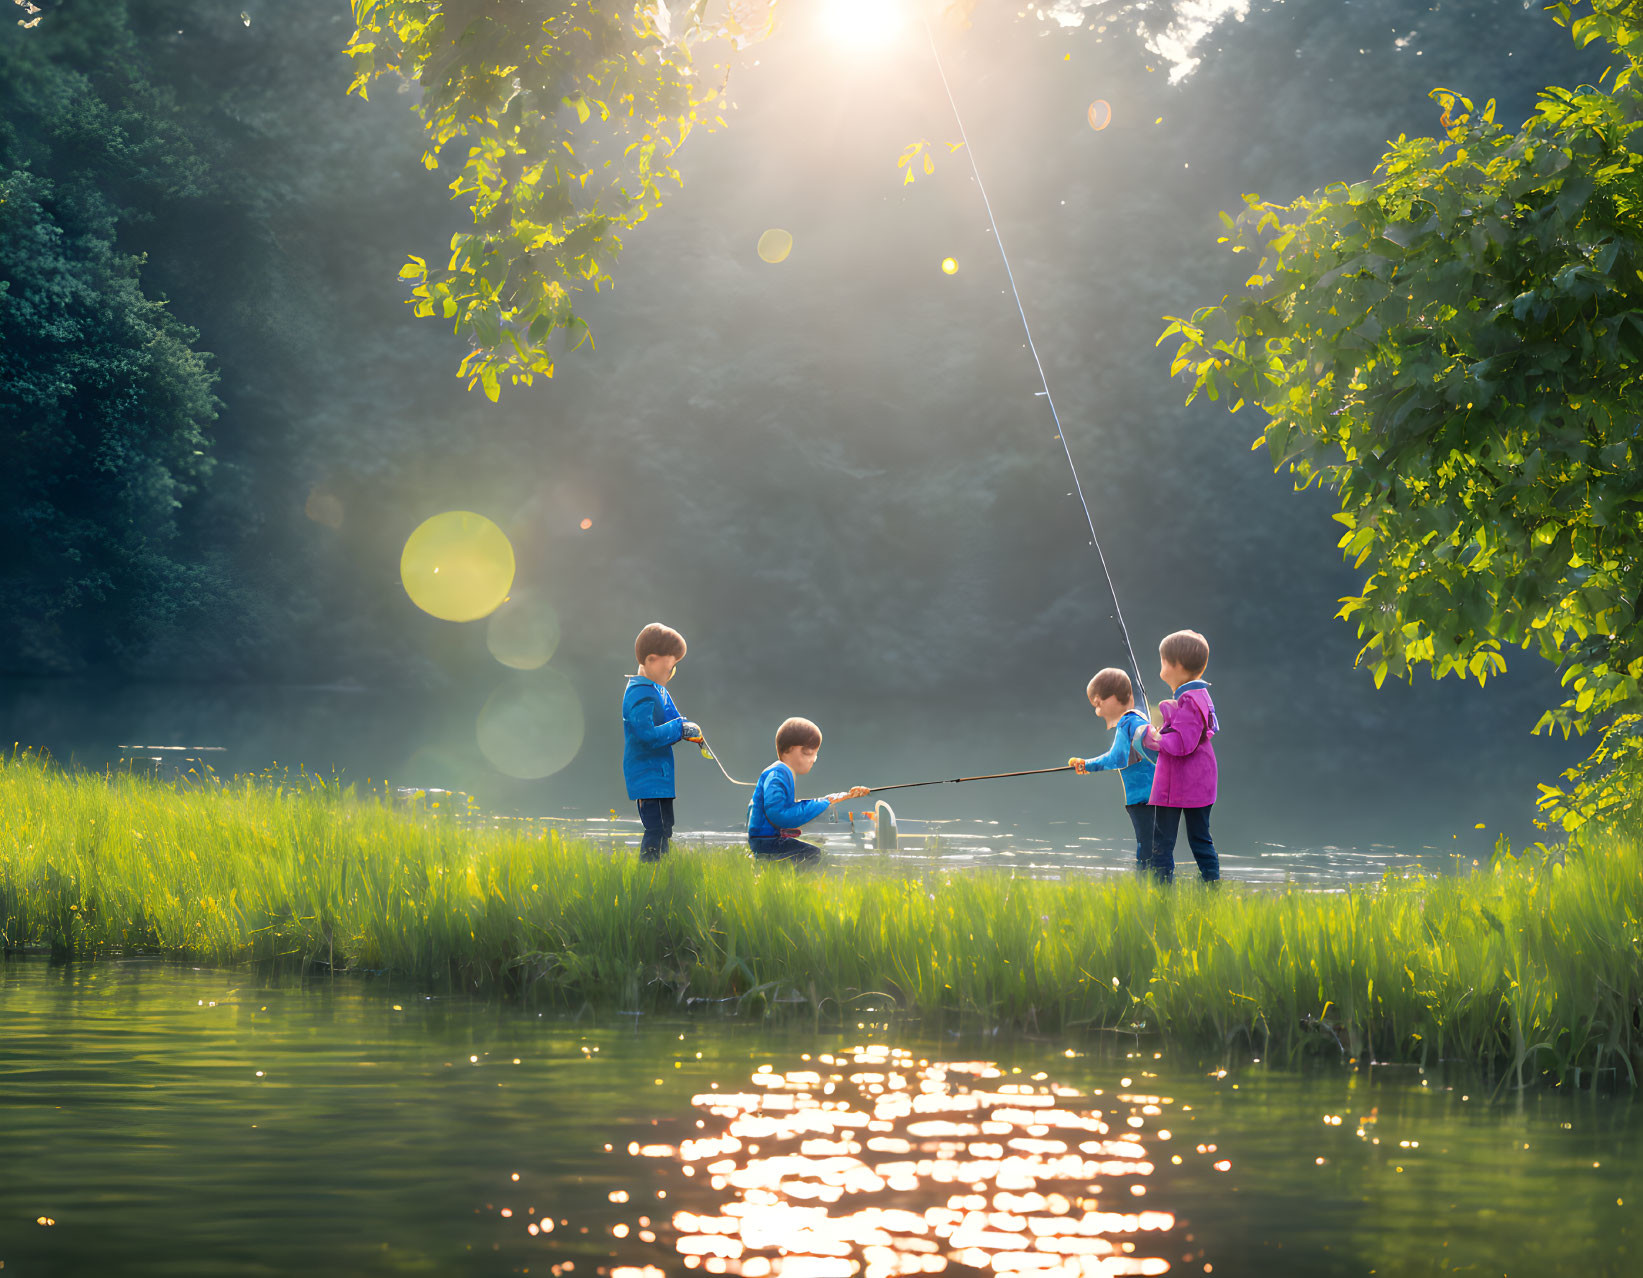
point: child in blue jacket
(651, 727)
(1113, 697)
(774, 814)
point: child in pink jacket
(1184, 783)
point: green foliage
(1618, 23)
(107, 403)
(571, 116)
(1534, 963)
(1454, 349)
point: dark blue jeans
(790, 849)
(1141, 818)
(1166, 823)
(657, 817)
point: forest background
(832, 474)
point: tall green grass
(1534, 964)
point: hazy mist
(833, 474)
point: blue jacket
(651, 726)
(1137, 774)
(773, 807)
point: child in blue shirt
(651, 727)
(1113, 697)
(774, 814)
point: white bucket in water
(884, 827)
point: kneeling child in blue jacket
(774, 814)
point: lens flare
(775, 244)
(523, 632)
(949, 266)
(457, 566)
(1100, 114)
(532, 726)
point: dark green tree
(1454, 348)
(105, 404)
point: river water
(157, 1120)
(1044, 850)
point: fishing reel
(701, 744)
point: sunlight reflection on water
(878, 1163)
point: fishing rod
(708, 754)
(1043, 378)
(991, 776)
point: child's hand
(859, 792)
(833, 798)
(693, 731)
(1077, 765)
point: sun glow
(864, 24)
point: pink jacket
(1186, 760)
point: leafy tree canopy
(571, 115)
(1454, 348)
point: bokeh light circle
(949, 266)
(1100, 114)
(523, 632)
(774, 245)
(323, 508)
(532, 726)
(457, 566)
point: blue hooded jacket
(774, 808)
(1133, 761)
(651, 727)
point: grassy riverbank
(1534, 963)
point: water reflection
(167, 1121)
(879, 1163)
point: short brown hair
(796, 733)
(1187, 649)
(1111, 682)
(657, 640)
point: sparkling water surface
(164, 1120)
(1051, 850)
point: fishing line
(1044, 381)
(708, 752)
